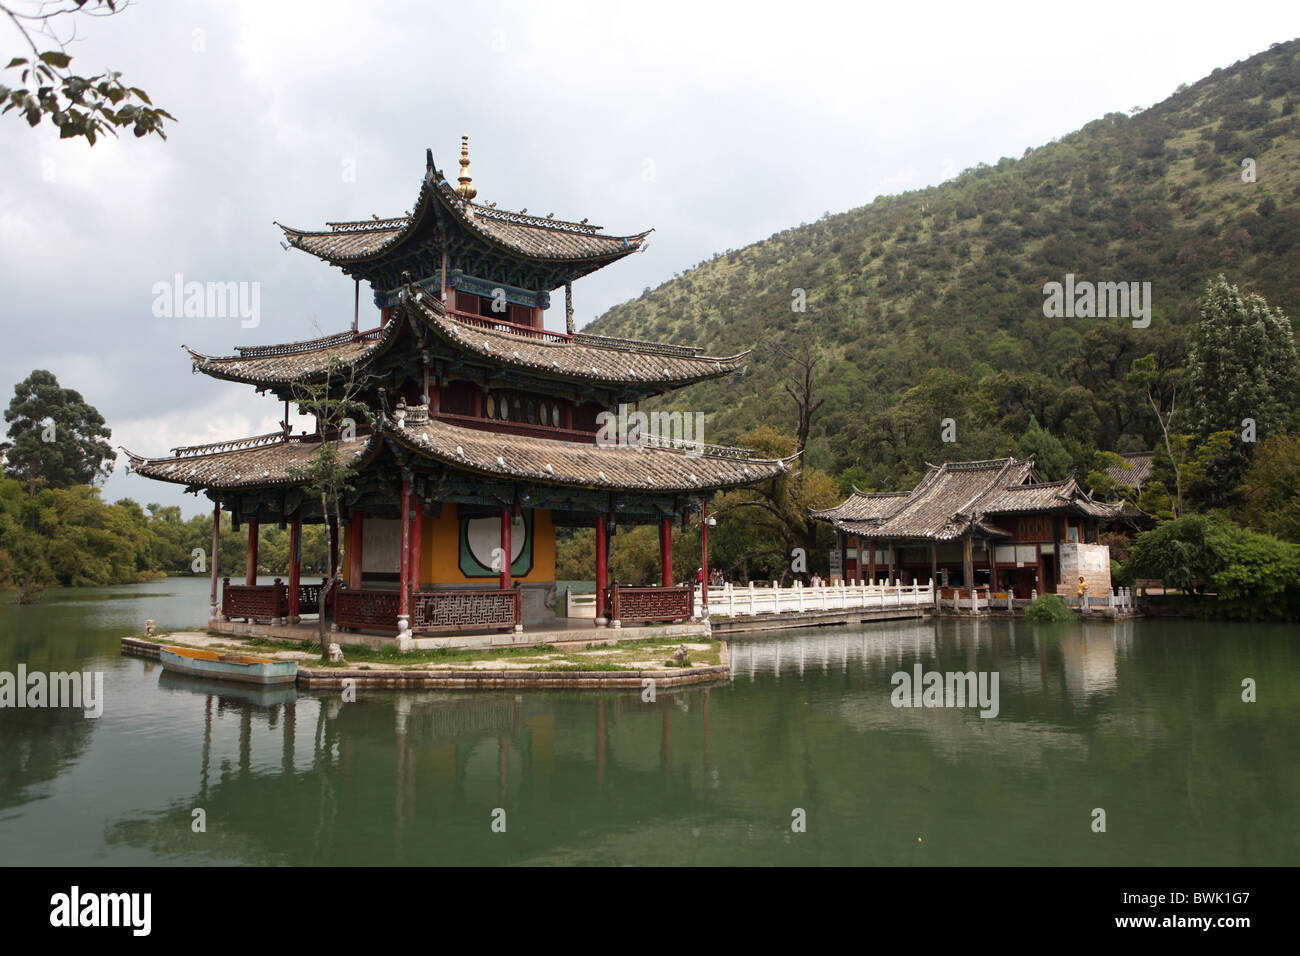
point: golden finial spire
(465, 189)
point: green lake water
(1141, 719)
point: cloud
(755, 120)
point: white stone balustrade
(730, 600)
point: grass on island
(624, 655)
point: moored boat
(233, 667)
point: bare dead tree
(797, 366)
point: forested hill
(940, 291)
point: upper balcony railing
(514, 328)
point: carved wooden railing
(510, 427)
(635, 605)
(514, 328)
(466, 610)
(366, 610)
(268, 602)
(309, 598)
(254, 602)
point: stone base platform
(559, 631)
(333, 677)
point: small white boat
(234, 667)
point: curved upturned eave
(528, 458)
(213, 471)
(250, 370)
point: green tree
(1161, 390)
(56, 438)
(1211, 475)
(1051, 459)
(329, 476)
(1241, 365)
(766, 523)
(1180, 553)
(1270, 491)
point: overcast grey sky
(715, 124)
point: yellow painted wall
(440, 550)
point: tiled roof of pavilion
(258, 462)
(587, 358)
(295, 362)
(547, 461)
(269, 460)
(531, 237)
(960, 497)
(862, 506)
(1044, 496)
(1135, 470)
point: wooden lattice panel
(651, 604)
(254, 601)
(366, 610)
(309, 598)
(464, 610)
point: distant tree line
(56, 529)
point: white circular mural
(483, 535)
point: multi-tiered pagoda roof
(482, 427)
(626, 370)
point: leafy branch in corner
(87, 106)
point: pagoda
(482, 434)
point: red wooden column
(666, 550)
(602, 567)
(872, 561)
(295, 566)
(417, 544)
(505, 549)
(251, 576)
(355, 528)
(404, 586)
(704, 555)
